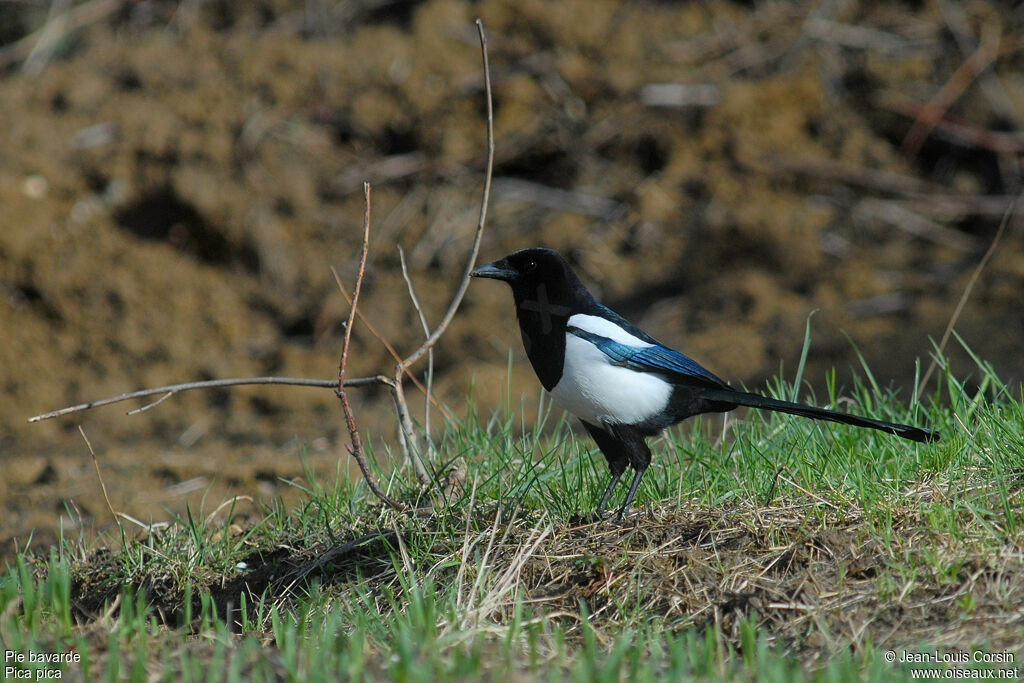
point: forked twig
(210, 384)
(387, 345)
(409, 441)
(375, 380)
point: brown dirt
(175, 185)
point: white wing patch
(607, 329)
(598, 392)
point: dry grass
(816, 579)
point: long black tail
(764, 403)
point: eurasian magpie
(622, 383)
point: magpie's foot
(620, 517)
(598, 517)
(595, 517)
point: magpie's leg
(639, 458)
(607, 494)
(629, 496)
(616, 452)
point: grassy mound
(774, 548)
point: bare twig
(955, 130)
(963, 299)
(390, 349)
(951, 207)
(99, 476)
(471, 261)
(355, 294)
(860, 37)
(54, 29)
(212, 384)
(410, 443)
(326, 558)
(406, 435)
(426, 333)
(151, 405)
(407, 432)
(356, 447)
(389, 168)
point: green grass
(775, 549)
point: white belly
(594, 390)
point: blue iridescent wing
(657, 359)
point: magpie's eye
(531, 266)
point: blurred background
(177, 179)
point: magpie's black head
(537, 273)
(547, 294)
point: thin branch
(213, 384)
(53, 31)
(594, 206)
(390, 349)
(151, 405)
(99, 476)
(356, 447)
(426, 333)
(405, 421)
(963, 298)
(900, 216)
(355, 294)
(471, 262)
(407, 433)
(406, 436)
(410, 445)
(326, 558)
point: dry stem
(390, 349)
(426, 331)
(209, 384)
(99, 476)
(356, 447)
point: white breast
(601, 393)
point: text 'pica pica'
(622, 383)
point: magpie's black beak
(498, 270)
